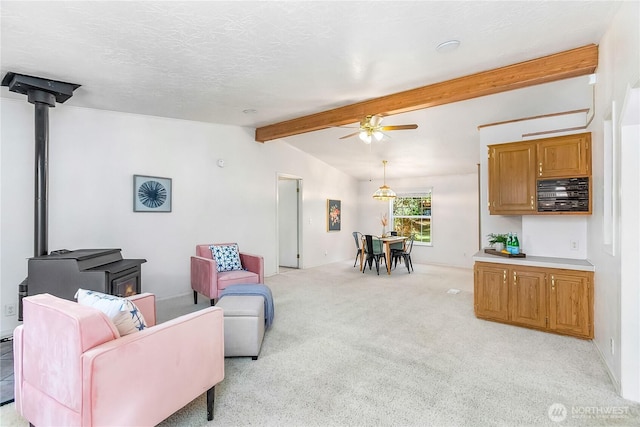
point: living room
(94, 154)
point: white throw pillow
(227, 257)
(122, 312)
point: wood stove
(62, 272)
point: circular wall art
(151, 194)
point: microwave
(563, 195)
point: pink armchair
(206, 280)
(72, 368)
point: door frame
(281, 177)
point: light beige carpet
(353, 349)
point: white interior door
(288, 222)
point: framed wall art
(151, 194)
(334, 215)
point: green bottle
(515, 244)
(509, 244)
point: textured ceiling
(209, 61)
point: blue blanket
(253, 289)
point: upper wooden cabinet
(515, 167)
(512, 179)
(564, 156)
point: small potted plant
(497, 240)
(384, 220)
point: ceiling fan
(370, 127)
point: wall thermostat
(221, 163)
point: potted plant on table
(497, 240)
(384, 220)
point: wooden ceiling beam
(571, 63)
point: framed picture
(151, 194)
(334, 215)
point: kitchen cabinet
(515, 167)
(512, 179)
(491, 298)
(570, 303)
(566, 156)
(547, 299)
(528, 297)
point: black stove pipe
(43, 94)
(42, 101)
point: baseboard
(612, 377)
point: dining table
(387, 242)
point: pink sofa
(206, 280)
(72, 368)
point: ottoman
(243, 325)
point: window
(411, 214)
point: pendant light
(384, 192)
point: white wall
(557, 236)
(630, 252)
(534, 240)
(619, 68)
(93, 157)
(454, 216)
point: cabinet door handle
(531, 202)
(553, 283)
(540, 168)
(504, 276)
(515, 279)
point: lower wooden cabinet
(547, 299)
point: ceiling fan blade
(350, 135)
(399, 127)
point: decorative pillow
(122, 312)
(227, 257)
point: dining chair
(374, 251)
(404, 255)
(395, 247)
(357, 236)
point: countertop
(537, 261)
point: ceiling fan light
(365, 137)
(378, 135)
(374, 121)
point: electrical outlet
(573, 245)
(9, 309)
(612, 346)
